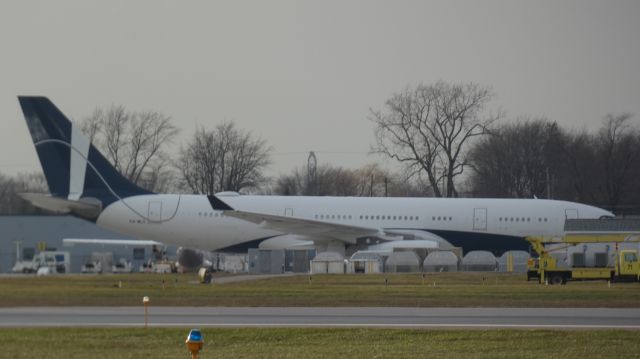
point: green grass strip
(403, 290)
(318, 343)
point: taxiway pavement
(484, 318)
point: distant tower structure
(312, 176)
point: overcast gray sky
(303, 74)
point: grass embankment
(318, 343)
(405, 290)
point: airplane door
(571, 213)
(480, 219)
(155, 211)
(288, 212)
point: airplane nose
(604, 214)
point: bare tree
(537, 158)
(517, 160)
(368, 181)
(290, 185)
(428, 128)
(134, 142)
(619, 147)
(225, 159)
(581, 167)
(329, 181)
(12, 186)
(374, 181)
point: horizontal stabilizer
(85, 207)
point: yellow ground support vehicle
(546, 269)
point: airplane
(82, 182)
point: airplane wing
(115, 242)
(306, 227)
(320, 231)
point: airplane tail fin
(73, 167)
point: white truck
(56, 262)
(123, 266)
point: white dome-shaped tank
(405, 261)
(479, 261)
(328, 262)
(366, 262)
(441, 261)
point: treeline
(447, 139)
(537, 158)
(10, 187)
(327, 180)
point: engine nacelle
(287, 241)
(191, 259)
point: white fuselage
(190, 220)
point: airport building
(24, 236)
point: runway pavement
(487, 318)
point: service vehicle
(548, 270)
(57, 262)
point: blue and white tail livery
(83, 182)
(74, 169)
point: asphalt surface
(482, 318)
